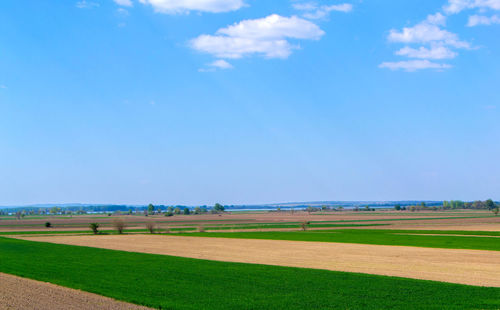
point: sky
(248, 101)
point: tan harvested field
(25, 294)
(471, 267)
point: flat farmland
(170, 282)
(261, 260)
(448, 265)
(468, 220)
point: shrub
(201, 228)
(169, 213)
(94, 227)
(119, 225)
(151, 227)
(304, 224)
(48, 224)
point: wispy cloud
(124, 2)
(217, 64)
(185, 6)
(457, 6)
(313, 11)
(435, 52)
(83, 4)
(3, 86)
(414, 65)
(477, 20)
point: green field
(487, 241)
(169, 282)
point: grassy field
(378, 236)
(169, 282)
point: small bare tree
(119, 225)
(151, 227)
(304, 224)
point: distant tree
(48, 224)
(186, 211)
(94, 227)
(495, 211)
(197, 210)
(219, 208)
(151, 209)
(170, 209)
(413, 208)
(169, 213)
(177, 210)
(490, 204)
(367, 208)
(151, 226)
(397, 207)
(422, 204)
(119, 225)
(278, 209)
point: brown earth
(21, 293)
(471, 267)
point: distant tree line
(453, 205)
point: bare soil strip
(20, 293)
(473, 267)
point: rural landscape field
(445, 259)
(249, 154)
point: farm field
(266, 260)
(449, 265)
(22, 293)
(439, 220)
(185, 283)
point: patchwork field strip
(472, 267)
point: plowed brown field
(20, 293)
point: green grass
(380, 237)
(169, 282)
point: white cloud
(3, 86)
(435, 52)
(86, 4)
(122, 12)
(428, 31)
(413, 65)
(266, 36)
(456, 6)
(313, 11)
(217, 64)
(184, 6)
(476, 20)
(221, 64)
(123, 2)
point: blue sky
(246, 101)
